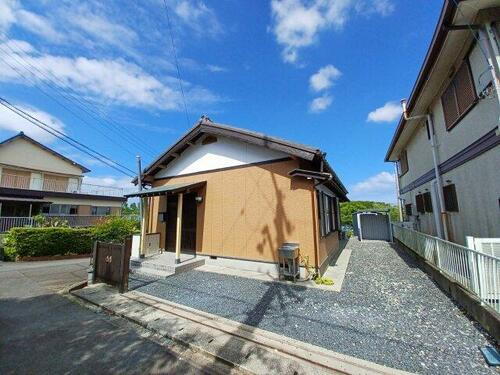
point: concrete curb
(245, 347)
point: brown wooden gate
(111, 263)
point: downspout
(398, 197)
(316, 209)
(441, 223)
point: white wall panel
(222, 154)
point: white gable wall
(24, 154)
(224, 153)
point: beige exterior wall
(84, 210)
(248, 212)
(24, 154)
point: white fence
(63, 185)
(12, 222)
(474, 270)
(6, 223)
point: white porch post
(178, 233)
(31, 208)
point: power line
(67, 139)
(81, 105)
(176, 62)
(117, 126)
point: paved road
(388, 311)
(43, 332)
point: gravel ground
(388, 311)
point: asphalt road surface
(44, 332)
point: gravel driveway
(388, 311)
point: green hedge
(32, 242)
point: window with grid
(328, 213)
(459, 96)
(450, 198)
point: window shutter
(403, 162)
(420, 203)
(450, 107)
(427, 202)
(450, 198)
(464, 86)
(459, 96)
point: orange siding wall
(249, 212)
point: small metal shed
(372, 225)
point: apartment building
(446, 145)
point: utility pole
(141, 213)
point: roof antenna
(205, 118)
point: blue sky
(328, 73)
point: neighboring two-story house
(447, 142)
(35, 179)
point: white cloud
(320, 104)
(12, 122)
(7, 14)
(380, 188)
(388, 113)
(38, 25)
(216, 68)
(296, 23)
(324, 78)
(101, 28)
(112, 79)
(198, 16)
(111, 181)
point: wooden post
(178, 232)
(145, 221)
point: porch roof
(167, 189)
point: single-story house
(227, 192)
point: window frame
(408, 210)
(427, 202)
(403, 156)
(452, 83)
(450, 198)
(419, 203)
(94, 210)
(328, 214)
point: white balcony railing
(64, 185)
(474, 270)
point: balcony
(57, 184)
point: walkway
(388, 311)
(42, 332)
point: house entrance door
(188, 227)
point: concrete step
(159, 268)
(149, 272)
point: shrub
(47, 221)
(114, 229)
(49, 241)
(323, 281)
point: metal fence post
(438, 256)
(479, 270)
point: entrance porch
(169, 224)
